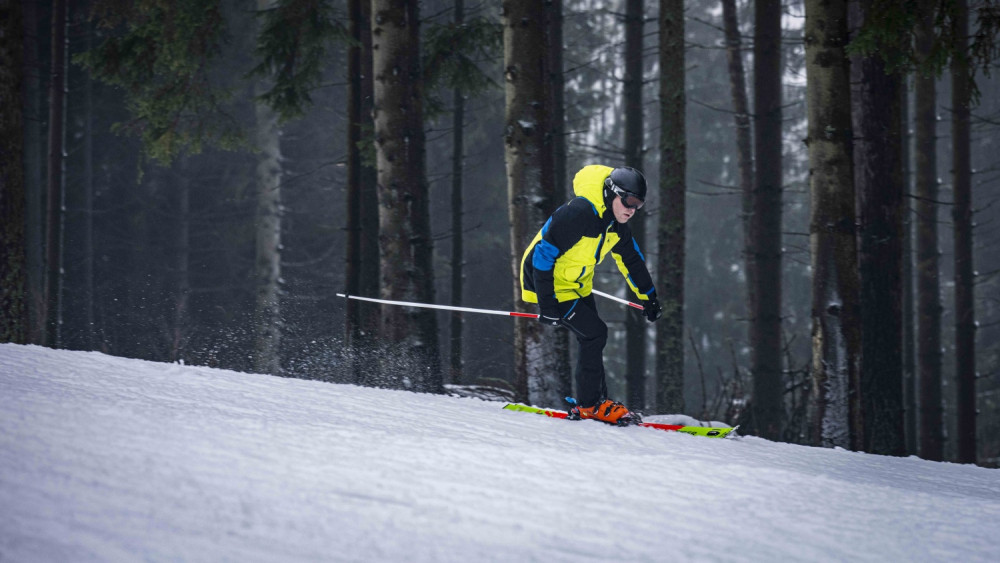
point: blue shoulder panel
(545, 255)
(545, 227)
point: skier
(557, 272)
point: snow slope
(110, 459)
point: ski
(707, 432)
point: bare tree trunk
(182, 261)
(33, 158)
(767, 408)
(267, 358)
(369, 313)
(909, 326)
(56, 170)
(557, 117)
(88, 205)
(879, 186)
(670, 229)
(965, 312)
(13, 260)
(635, 325)
(457, 166)
(928, 284)
(559, 383)
(404, 221)
(529, 190)
(352, 267)
(458, 123)
(835, 315)
(744, 141)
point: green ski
(708, 432)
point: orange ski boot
(610, 412)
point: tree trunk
(87, 250)
(529, 188)
(559, 383)
(928, 284)
(361, 273)
(767, 409)
(182, 270)
(909, 327)
(352, 267)
(352, 264)
(369, 313)
(670, 229)
(835, 316)
(457, 165)
(56, 170)
(458, 147)
(635, 324)
(965, 313)
(267, 348)
(34, 148)
(744, 141)
(879, 187)
(557, 116)
(13, 260)
(404, 219)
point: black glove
(548, 314)
(651, 308)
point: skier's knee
(601, 333)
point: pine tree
(538, 360)
(457, 173)
(267, 268)
(56, 166)
(670, 228)
(744, 143)
(835, 313)
(13, 260)
(404, 219)
(879, 187)
(361, 268)
(929, 307)
(635, 325)
(965, 311)
(765, 225)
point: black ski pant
(581, 318)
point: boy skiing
(557, 273)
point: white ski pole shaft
(618, 299)
(443, 307)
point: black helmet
(626, 179)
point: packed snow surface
(110, 459)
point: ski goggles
(629, 199)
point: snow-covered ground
(109, 459)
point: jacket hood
(589, 183)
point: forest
(200, 181)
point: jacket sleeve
(563, 230)
(632, 264)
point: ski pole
(618, 299)
(471, 310)
(444, 307)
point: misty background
(139, 235)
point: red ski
(708, 432)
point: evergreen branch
(293, 48)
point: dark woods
(196, 181)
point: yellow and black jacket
(559, 263)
